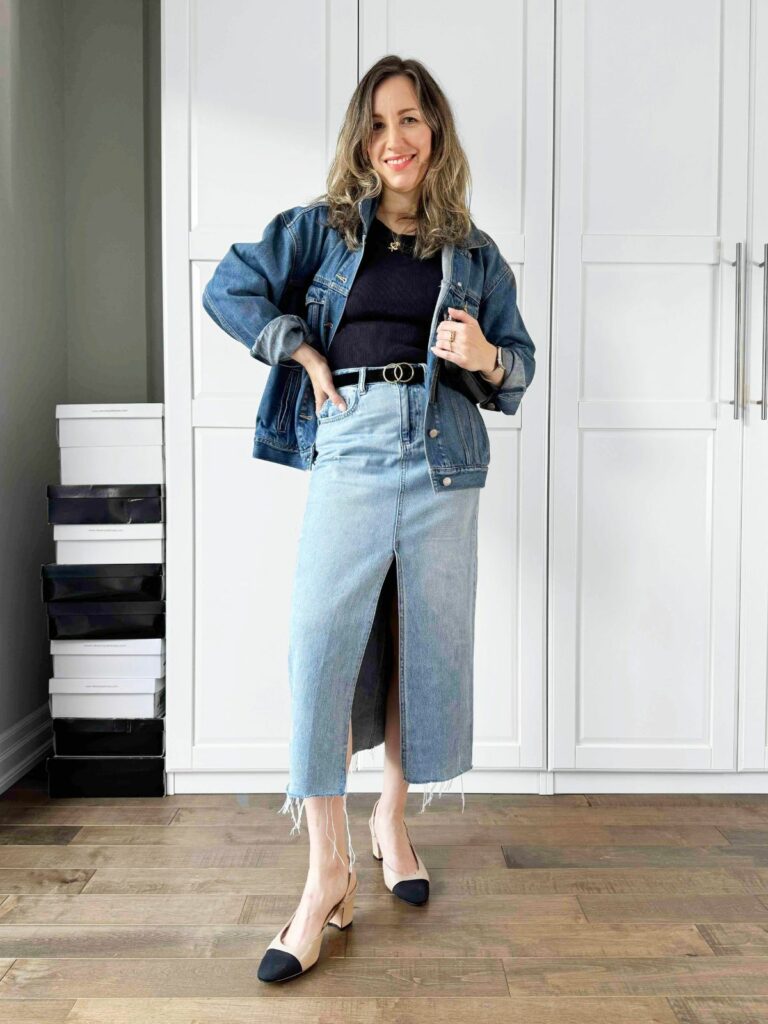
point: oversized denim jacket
(292, 287)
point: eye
(408, 117)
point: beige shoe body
(412, 887)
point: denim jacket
(292, 287)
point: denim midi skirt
(372, 523)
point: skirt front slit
(374, 531)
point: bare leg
(390, 812)
(328, 870)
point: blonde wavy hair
(442, 214)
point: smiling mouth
(398, 162)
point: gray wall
(80, 288)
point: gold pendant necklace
(396, 245)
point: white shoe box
(123, 464)
(106, 698)
(96, 543)
(121, 425)
(98, 659)
(111, 444)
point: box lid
(108, 531)
(71, 726)
(105, 607)
(105, 490)
(112, 570)
(117, 646)
(116, 684)
(120, 410)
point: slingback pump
(280, 963)
(412, 887)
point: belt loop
(361, 380)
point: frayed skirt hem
(295, 806)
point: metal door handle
(738, 329)
(763, 400)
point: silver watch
(499, 362)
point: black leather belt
(392, 373)
(466, 382)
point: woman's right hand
(320, 376)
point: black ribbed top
(390, 307)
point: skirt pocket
(329, 412)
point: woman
(378, 544)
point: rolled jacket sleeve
(502, 324)
(243, 295)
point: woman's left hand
(470, 347)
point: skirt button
(433, 432)
(446, 480)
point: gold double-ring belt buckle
(398, 372)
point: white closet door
(496, 66)
(753, 743)
(652, 120)
(253, 95)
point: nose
(394, 136)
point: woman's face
(399, 129)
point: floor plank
(720, 1010)
(455, 833)
(371, 1010)
(740, 939)
(450, 880)
(35, 1011)
(372, 976)
(374, 934)
(692, 908)
(650, 856)
(623, 976)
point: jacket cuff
(507, 396)
(514, 371)
(280, 339)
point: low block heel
(342, 918)
(374, 842)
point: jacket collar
(369, 205)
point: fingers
(337, 399)
(443, 350)
(329, 392)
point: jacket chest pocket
(315, 309)
(471, 304)
(463, 298)
(315, 301)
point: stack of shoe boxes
(105, 602)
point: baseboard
(478, 781)
(24, 744)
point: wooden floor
(564, 909)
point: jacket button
(446, 481)
(433, 432)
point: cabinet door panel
(253, 97)
(645, 491)
(753, 705)
(497, 73)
